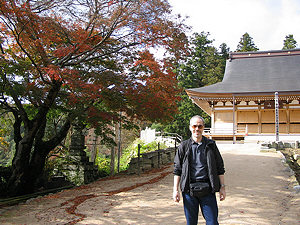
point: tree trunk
(112, 161)
(30, 158)
(18, 182)
(23, 180)
(31, 151)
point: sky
(268, 22)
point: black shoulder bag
(200, 189)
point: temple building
(243, 104)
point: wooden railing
(224, 131)
(176, 138)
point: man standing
(199, 162)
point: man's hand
(222, 190)
(176, 196)
(222, 193)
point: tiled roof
(259, 72)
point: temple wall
(256, 119)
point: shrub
(103, 164)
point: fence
(155, 159)
(148, 135)
(168, 138)
(150, 160)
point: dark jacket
(214, 162)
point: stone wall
(151, 160)
(281, 145)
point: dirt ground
(259, 191)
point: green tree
(204, 66)
(289, 42)
(224, 54)
(246, 44)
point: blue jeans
(208, 205)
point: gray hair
(197, 117)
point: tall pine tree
(204, 66)
(246, 44)
(289, 42)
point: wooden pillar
(287, 117)
(212, 116)
(259, 118)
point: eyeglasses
(199, 126)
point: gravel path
(259, 191)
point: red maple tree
(90, 60)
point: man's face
(196, 127)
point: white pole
(276, 117)
(233, 120)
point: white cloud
(267, 21)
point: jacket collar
(204, 140)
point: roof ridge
(272, 53)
